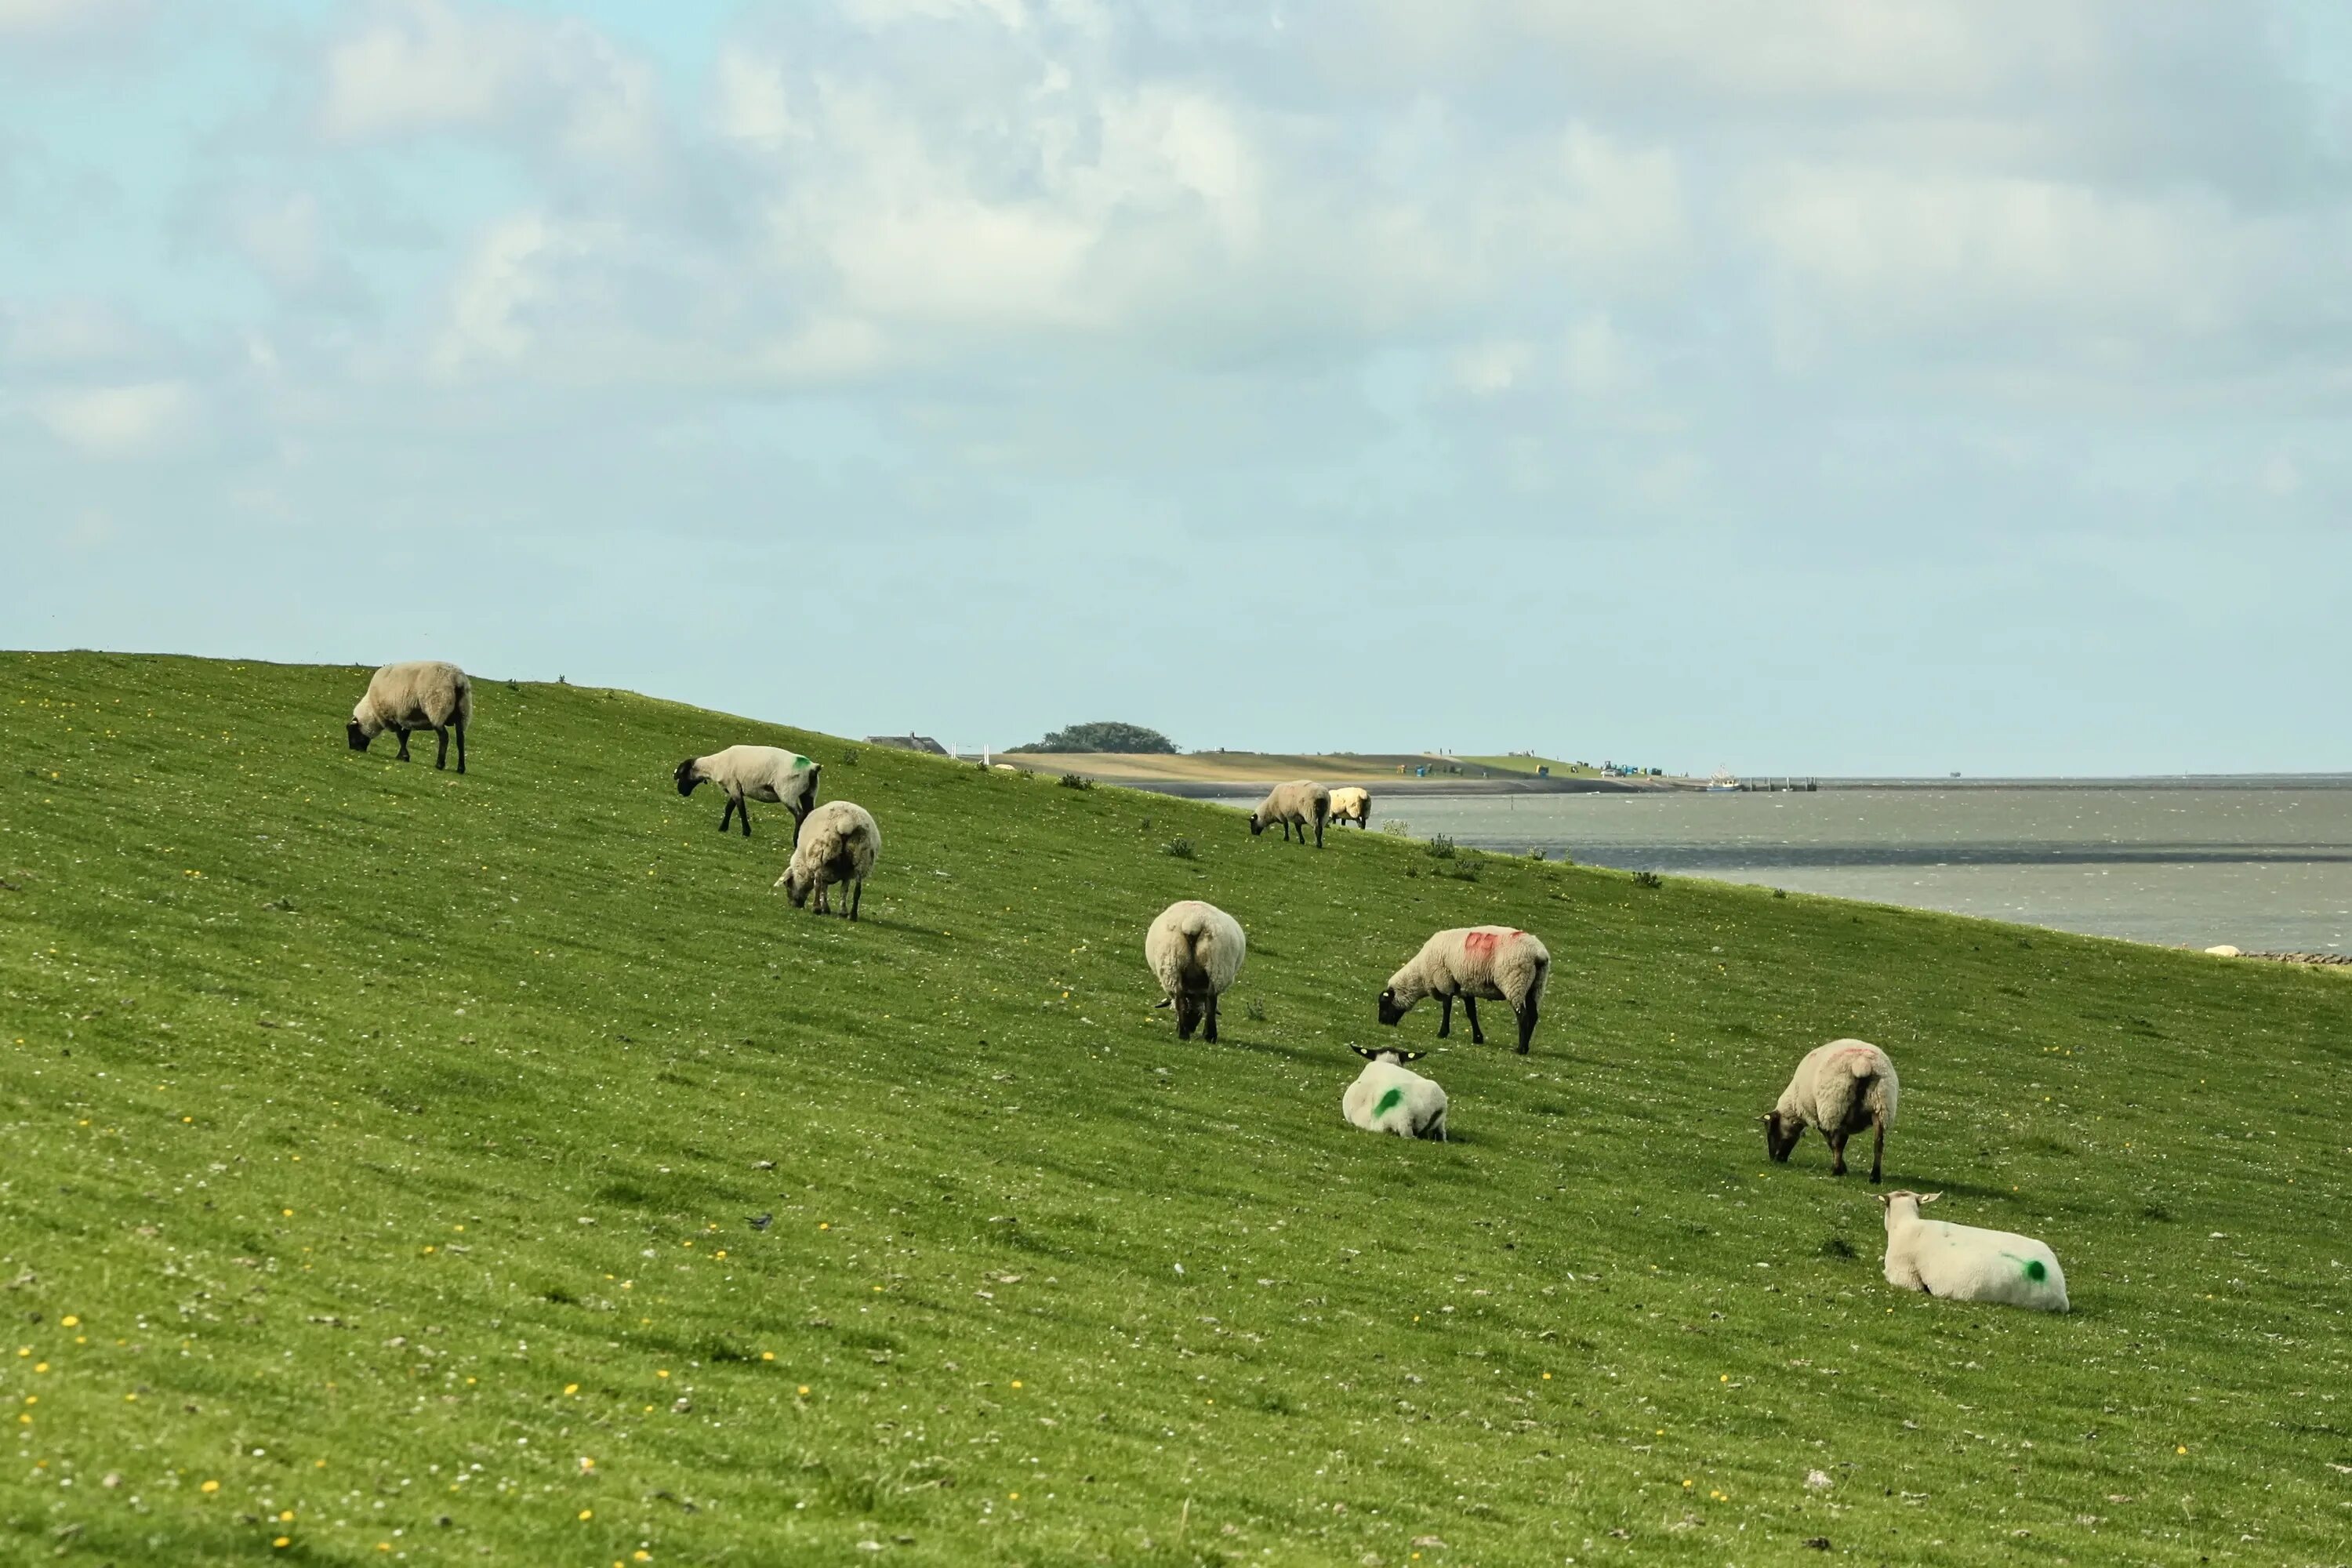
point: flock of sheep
(1195, 949)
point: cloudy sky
(1795, 385)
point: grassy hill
(409, 1167)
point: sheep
(838, 842)
(1966, 1264)
(1493, 961)
(754, 772)
(1350, 802)
(1296, 804)
(1195, 950)
(1840, 1088)
(418, 694)
(1387, 1098)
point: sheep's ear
(1930, 1197)
(1365, 1052)
(1410, 1055)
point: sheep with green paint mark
(1388, 1097)
(1966, 1264)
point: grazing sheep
(419, 694)
(1470, 962)
(1386, 1097)
(1966, 1264)
(1296, 804)
(1351, 804)
(1195, 950)
(1840, 1088)
(836, 843)
(754, 772)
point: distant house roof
(909, 743)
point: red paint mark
(1479, 944)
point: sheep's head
(1780, 1135)
(1258, 823)
(1892, 1199)
(689, 775)
(1389, 1054)
(799, 882)
(1391, 1010)
(358, 737)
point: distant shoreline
(1461, 788)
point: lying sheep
(1966, 1264)
(836, 843)
(1493, 961)
(419, 694)
(1386, 1097)
(1351, 804)
(754, 772)
(1195, 950)
(1840, 1088)
(1294, 804)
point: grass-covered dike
(404, 1166)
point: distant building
(922, 743)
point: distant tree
(1104, 735)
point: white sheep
(1388, 1098)
(754, 772)
(1966, 1264)
(837, 843)
(1352, 803)
(418, 694)
(1195, 951)
(1840, 1088)
(1495, 961)
(1296, 804)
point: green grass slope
(385, 1150)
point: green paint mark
(1388, 1101)
(2035, 1272)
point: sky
(1811, 386)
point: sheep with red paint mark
(1294, 804)
(1195, 951)
(1967, 1264)
(1499, 963)
(1841, 1087)
(1389, 1097)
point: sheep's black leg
(800, 815)
(441, 757)
(743, 815)
(1526, 1027)
(857, 897)
(1187, 1017)
(1445, 1017)
(1878, 1149)
(1319, 832)
(726, 817)
(461, 745)
(1470, 1006)
(1210, 1034)
(403, 744)
(1837, 1152)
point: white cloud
(36, 19)
(138, 420)
(1490, 368)
(488, 319)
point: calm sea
(2267, 868)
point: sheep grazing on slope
(1840, 1088)
(1493, 961)
(1351, 804)
(1296, 804)
(746, 774)
(1387, 1098)
(1966, 1264)
(1195, 951)
(419, 694)
(837, 843)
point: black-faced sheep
(418, 694)
(1352, 803)
(1294, 804)
(746, 774)
(1387, 1098)
(837, 843)
(1840, 1088)
(1495, 961)
(1195, 951)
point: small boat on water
(1722, 782)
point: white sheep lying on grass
(1387, 1097)
(1840, 1088)
(754, 772)
(837, 843)
(1195, 951)
(418, 694)
(1966, 1264)
(1294, 804)
(1495, 961)
(1352, 803)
